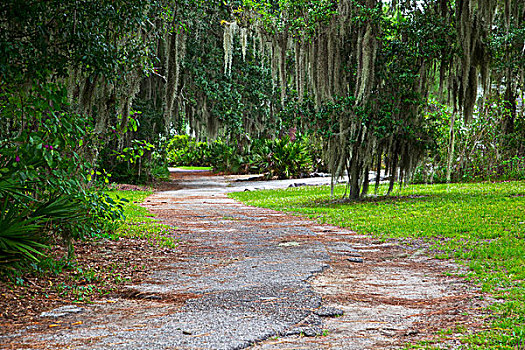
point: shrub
(231, 158)
(184, 150)
(46, 178)
(139, 163)
(133, 155)
(280, 158)
(283, 158)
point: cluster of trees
(93, 88)
(362, 73)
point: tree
(194, 91)
(370, 66)
(67, 71)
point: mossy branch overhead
(381, 58)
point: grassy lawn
(195, 168)
(479, 225)
(140, 223)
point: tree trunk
(354, 179)
(364, 190)
(378, 172)
(451, 147)
(393, 174)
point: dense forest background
(98, 91)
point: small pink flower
(17, 159)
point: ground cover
(100, 268)
(195, 168)
(479, 225)
(140, 223)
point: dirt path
(254, 278)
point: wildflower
(17, 158)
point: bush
(280, 158)
(139, 163)
(184, 150)
(134, 153)
(46, 192)
(284, 158)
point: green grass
(195, 168)
(140, 223)
(479, 225)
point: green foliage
(141, 162)
(139, 222)
(135, 150)
(479, 225)
(217, 104)
(83, 46)
(303, 17)
(40, 38)
(283, 158)
(134, 163)
(19, 236)
(280, 158)
(45, 176)
(32, 219)
(483, 149)
(370, 109)
(229, 158)
(184, 150)
(49, 144)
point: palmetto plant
(284, 158)
(26, 222)
(19, 230)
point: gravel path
(250, 277)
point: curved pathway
(250, 277)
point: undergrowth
(89, 274)
(140, 223)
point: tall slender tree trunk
(393, 173)
(378, 172)
(366, 184)
(354, 178)
(451, 147)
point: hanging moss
(343, 57)
(176, 51)
(230, 29)
(244, 42)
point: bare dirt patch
(396, 295)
